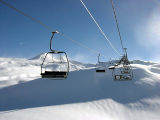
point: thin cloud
(81, 58)
(147, 34)
(21, 43)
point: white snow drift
(85, 94)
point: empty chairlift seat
(55, 66)
(101, 67)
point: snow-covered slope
(103, 98)
(16, 70)
(97, 110)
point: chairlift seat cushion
(100, 70)
(54, 74)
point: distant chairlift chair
(55, 64)
(100, 66)
(123, 71)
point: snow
(85, 94)
(96, 110)
(16, 70)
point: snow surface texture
(85, 93)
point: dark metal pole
(51, 41)
(98, 58)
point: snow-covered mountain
(17, 70)
(74, 65)
(85, 94)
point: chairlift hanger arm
(98, 58)
(54, 51)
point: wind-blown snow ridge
(96, 110)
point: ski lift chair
(100, 66)
(122, 73)
(111, 67)
(55, 64)
(55, 69)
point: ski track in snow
(83, 95)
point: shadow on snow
(80, 86)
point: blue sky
(139, 24)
